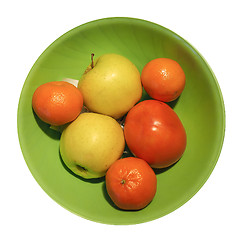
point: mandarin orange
(131, 183)
(57, 102)
(163, 79)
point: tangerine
(57, 102)
(163, 79)
(131, 183)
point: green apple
(91, 143)
(111, 85)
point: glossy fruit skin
(154, 132)
(163, 79)
(57, 102)
(131, 183)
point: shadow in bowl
(171, 104)
(107, 197)
(162, 170)
(46, 128)
(127, 152)
(145, 96)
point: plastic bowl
(200, 107)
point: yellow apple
(91, 143)
(111, 85)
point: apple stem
(92, 64)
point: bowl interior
(200, 108)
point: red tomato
(154, 132)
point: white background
(28, 27)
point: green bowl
(200, 107)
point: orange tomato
(154, 133)
(57, 102)
(163, 79)
(131, 183)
